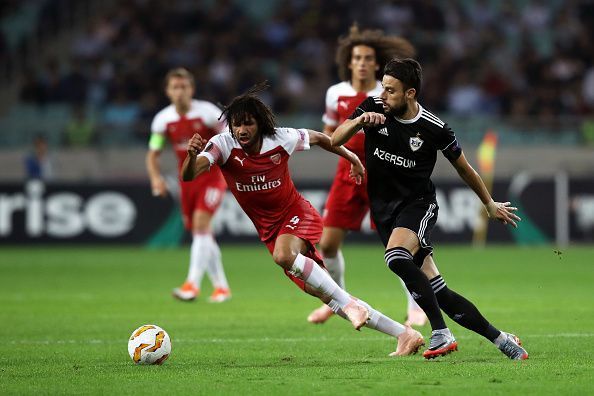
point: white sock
(214, 267)
(198, 259)
(499, 340)
(313, 275)
(445, 331)
(377, 320)
(412, 304)
(335, 267)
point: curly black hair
(248, 105)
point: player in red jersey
(177, 123)
(254, 160)
(360, 57)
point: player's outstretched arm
(347, 129)
(153, 167)
(193, 164)
(501, 211)
(320, 139)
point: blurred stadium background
(87, 76)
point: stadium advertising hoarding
(35, 212)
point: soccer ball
(149, 344)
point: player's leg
(330, 243)
(409, 340)
(209, 197)
(190, 289)
(309, 277)
(209, 259)
(466, 314)
(288, 253)
(415, 316)
(400, 249)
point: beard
(398, 111)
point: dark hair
(408, 71)
(386, 48)
(179, 72)
(248, 104)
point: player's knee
(284, 258)
(329, 250)
(397, 259)
(197, 229)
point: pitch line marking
(269, 339)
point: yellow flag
(486, 153)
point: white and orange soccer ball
(149, 344)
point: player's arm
(502, 211)
(347, 129)
(329, 130)
(320, 139)
(153, 165)
(194, 164)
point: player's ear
(410, 93)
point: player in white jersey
(254, 160)
(360, 57)
(200, 199)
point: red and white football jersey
(203, 118)
(261, 183)
(341, 102)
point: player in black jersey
(401, 143)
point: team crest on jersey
(275, 158)
(415, 142)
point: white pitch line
(267, 339)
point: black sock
(461, 310)
(400, 261)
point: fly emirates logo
(259, 183)
(394, 159)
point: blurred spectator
(480, 56)
(80, 130)
(38, 163)
(73, 85)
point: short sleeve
(158, 127)
(330, 116)
(448, 144)
(292, 139)
(218, 149)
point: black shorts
(420, 217)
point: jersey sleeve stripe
(433, 116)
(214, 155)
(432, 121)
(446, 147)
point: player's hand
(357, 171)
(159, 187)
(370, 119)
(503, 212)
(195, 145)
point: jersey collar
(412, 119)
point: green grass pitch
(66, 315)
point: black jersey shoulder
(443, 136)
